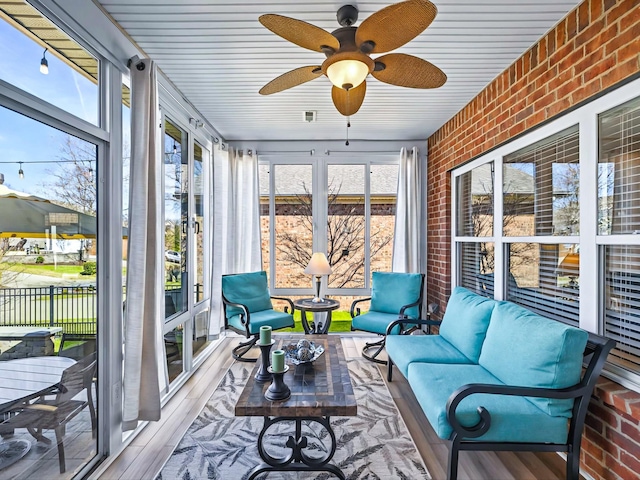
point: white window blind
(619, 170)
(541, 187)
(475, 202)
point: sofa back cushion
(526, 349)
(249, 289)
(465, 322)
(391, 291)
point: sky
(23, 139)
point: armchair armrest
(405, 307)
(353, 311)
(578, 390)
(286, 308)
(400, 321)
(244, 316)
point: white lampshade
(347, 72)
(318, 265)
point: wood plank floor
(144, 457)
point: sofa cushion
(249, 289)
(466, 320)
(406, 349)
(273, 318)
(525, 349)
(375, 322)
(391, 291)
(513, 419)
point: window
(48, 267)
(475, 221)
(27, 38)
(562, 237)
(540, 194)
(345, 208)
(619, 220)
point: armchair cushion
(513, 419)
(391, 291)
(406, 349)
(466, 320)
(541, 352)
(249, 289)
(375, 322)
(272, 318)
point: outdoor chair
(77, 345)
(247, 307)
(58, 407)
(394, 296)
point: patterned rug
(373, 445)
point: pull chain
(348, 125)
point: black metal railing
(72, 308)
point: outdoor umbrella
(26, 216)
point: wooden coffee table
(319, 391)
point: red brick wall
(594, 47)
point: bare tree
(345, 237)
(72, 183)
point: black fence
(72, 308)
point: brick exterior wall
(594, 47)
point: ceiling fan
(348, 50)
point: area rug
(374, 445)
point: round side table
(307, 305)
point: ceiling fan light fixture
(347, 74)
(347, 70)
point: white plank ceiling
(219, 56)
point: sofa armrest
(353, 311)
(484, 423)
(400, 321)
(286, 309)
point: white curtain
(406, 239)
(236, 243)
(143, 313)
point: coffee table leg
(296, 460)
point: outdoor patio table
(22, 380)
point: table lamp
(318, 266)
(570, 267)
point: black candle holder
(263, 376)
(278, 390)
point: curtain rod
(327, 152)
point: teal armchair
(247, 307)
(394, 296)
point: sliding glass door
(186, 189)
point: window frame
(591, 272)
(320, 192)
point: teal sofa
(500, 377)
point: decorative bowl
(302, 352)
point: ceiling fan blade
(395, 25)
(409, 71)
(349, 102)
(292, 78)
(301, 33)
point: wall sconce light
(44, 65)
(20, 171)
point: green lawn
(340, 322)
(47, 270)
